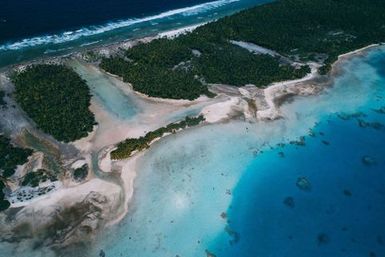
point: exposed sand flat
(101, 197)
(113, 188)
(355, 52)
(128, 174)
(152, 113)
(178, 32)
(281, 89)
(224, 110)
(255, 48)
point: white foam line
(94, 30)
(90, 43)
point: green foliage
(230, 64)
(126, 148)
(168, 68)
(81, 173)
(34, 178)
(306, 28)
(160, 52)
(317, 30)
(2, 95)
(91, 56)
(57, 99)
(11, 156)
(157, 69)
(4, 204)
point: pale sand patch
(115, 131)
(67, 196)
(153, 115)
(78, 164)
(104, 159)
(84, 145)
(128, 174)
(223, 110)
(275, 90)
(355, 52)
(178, 32)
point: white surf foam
(95, 30)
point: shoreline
(221, 110)
(108, 48)
(307, 90)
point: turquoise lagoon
(231, 189)
(121, 104)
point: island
(57, 99)
(76, 128)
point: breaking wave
(95, 30)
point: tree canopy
(305, 29)
(127, 147)
(10, 157)
(56, 99)
(301, 30)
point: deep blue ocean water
(229, 188)
(309, 185)
(341, 215)
(342, 211)
(26, 18)
(31, 29)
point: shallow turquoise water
(343, 159)
(113, 99)
(345, 204)
(221, 188)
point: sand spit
(83, 208)
(248, 102)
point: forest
(127, 147)
(34, 178)
(56, 99)
(317, 30)
(10, 157)
(302, 30)
(181, 68)
(79, 174)
(2, 101)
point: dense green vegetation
(230, 64)
(306, 29)
(303, 30)
(182, 67)
(34, 178)
(126, 148)
(57, 99)
(152, 69)
(10, 157)
(4, 204)
(2, 95)
(81, 173)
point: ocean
(311, 184)
(35, 28)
